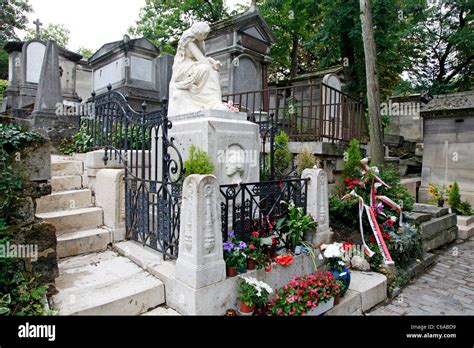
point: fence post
(318, 204)
(200, 258)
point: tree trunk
(373, 96)
(294, 57)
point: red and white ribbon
(367, 250)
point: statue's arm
(200, 57)
(197, 53)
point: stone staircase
(93, 280)
(70, 209)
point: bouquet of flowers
(253, 292)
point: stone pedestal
(318, 204)
(200, 262)
(232, 142)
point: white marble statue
(195, 82)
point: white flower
(393, 218)
(341, 263)
(333, 250)
(257, 285)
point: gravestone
(318, 204)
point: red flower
(356, 182)
(351, 187)
(251, 246)
(268, 268)
(284, 260)
(389, 223)
(346, 180)
(372, 239)
(256, 234)
(346, 246)
(274, 241)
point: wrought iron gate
(153, 167)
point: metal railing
(313, 112)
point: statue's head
(200, 30)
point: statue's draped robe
(194, 85)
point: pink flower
(309, 304)
(280, 311)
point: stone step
(465, 220)
(372, 287)
(66, 183)
(64, 200)
(465, 232)
(432, 228)
(105, 284)
(162, 310)
(69, 167)
(435, 211)
(81, 242)
(74, 219)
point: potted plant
(252, 293)
(255, 254)
(312, 294)
(234, 256)
(333, 258)
(293, 228)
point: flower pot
(242, 269)
(231, 271)
(344, 276)
(322, 307)
(251, 264)
(337, 299)
(244, 309)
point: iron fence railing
(313, 112)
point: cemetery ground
(445, 289)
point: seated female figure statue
(195, 82)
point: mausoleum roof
(17, 46)
(139, 43)
(453, 103)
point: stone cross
(38, 25)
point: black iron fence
(258, 206)
(313, 112)
(153, 167)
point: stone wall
(32, 163)
(437, 226)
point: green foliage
(13, 16)
(344, 214)
(85, 52)
(464, 208)
(377, 259)
(3, 87)
(293, 227)
(406, 246)
(251, 291)
(12, 138)
(198, 162)
(283, 159)
(454, 197)
(352, 159)
(444, 42)
(396, 192)
(305, 160)
(56, 32)
(3, 64)
(79, 143)
(294, 23)
(19, 294)
(163, 22)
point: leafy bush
(3, 87)
(283, 159)
(344, 214)
(198, 162)
(406, 246)
(19, 294)
(305, 160)
(464, 208)
(80, 142)
(454, 197)
(396, 192)
(352, 159)
(293, 227)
